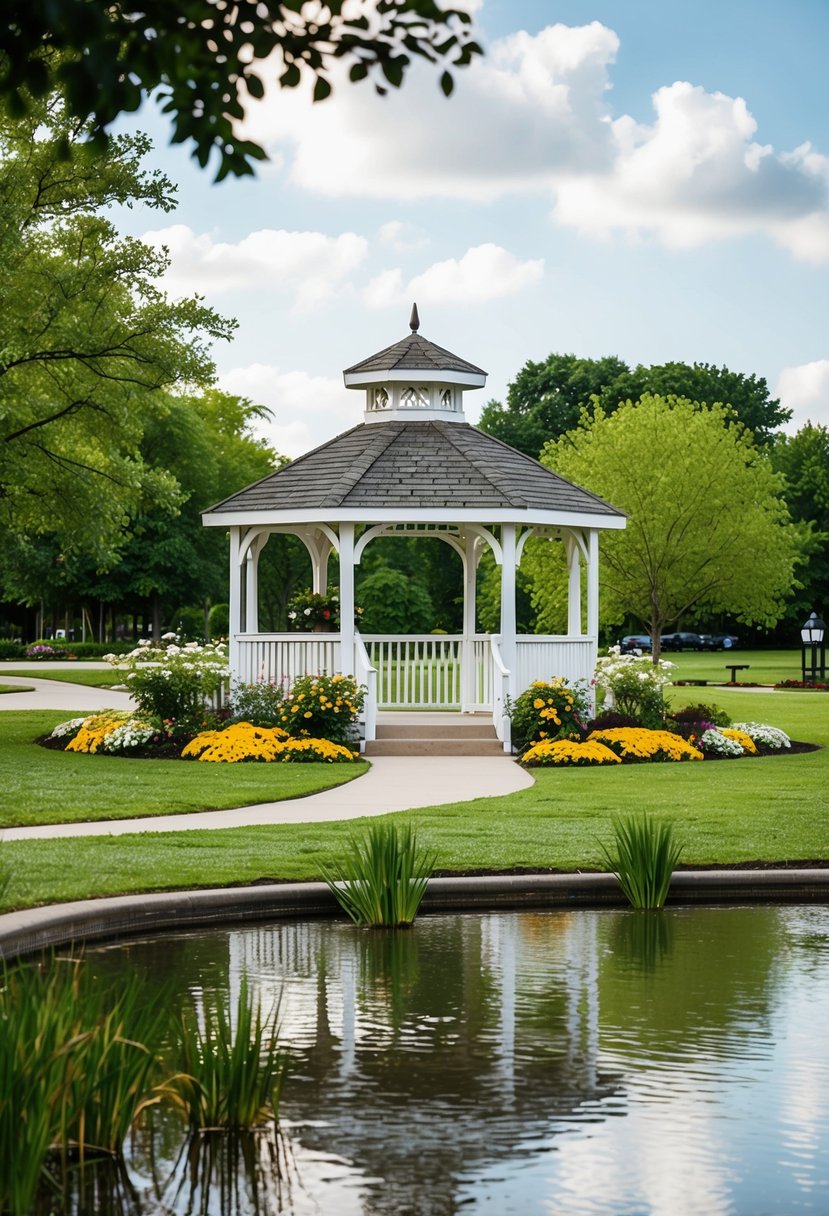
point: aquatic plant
(644, 858)
(383, 876)
(77, 1068)
(230, 1071)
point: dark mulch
(171, 750)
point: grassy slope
(41, 786)
(91, 678)
(771, 809)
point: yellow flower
(538, 703)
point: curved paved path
(393, 783)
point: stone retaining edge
(35, 929)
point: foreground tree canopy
(90, 347)
(203, 58)
(547, 399)
(707, 526)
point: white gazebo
(415, 467)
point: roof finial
(414, 320)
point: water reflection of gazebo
(415, 467)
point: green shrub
(218, 621)
(261, 704)
(383, 877)
(173, 682)
(394, 602)
(11, 650)
(644, 859)
(189, 624)
(701, 713)
(323, 707)
(548, 710)
(633, 686)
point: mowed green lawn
(761, 810)
(764, 666)
(38, 785)
(104, 677)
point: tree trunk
(155, 605)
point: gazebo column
(574, 626)
(469, 691)
(347, 598)
(235, 605)
(593, 585)
(508, 620)
(320, 551)
(251, 592)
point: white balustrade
(422, 671)
(418, 671)
(540, 657)
(281, 658)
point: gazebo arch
(415, 467)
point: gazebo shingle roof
(415, 464)
(417, 354)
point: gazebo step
(461, 730)
(424, 746)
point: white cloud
(697, 174)
(534, 106)
(805, 390)
(307, 410)
(534, 115)
(485, 272)
(310, 266)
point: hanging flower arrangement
(316, 610)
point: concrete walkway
(393, 783)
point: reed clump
(643, 859)
(383, 877)
(228, 1074)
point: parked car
(635, 643)
(681, 641)
(719, 641)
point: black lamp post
(812, 647)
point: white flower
(307, 611)
(169, 637)
(760, 732)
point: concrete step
(455, 730)
(425, 746)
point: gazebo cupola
(414, 381)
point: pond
(575, 1063)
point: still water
(585, 1063)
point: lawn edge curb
(36, 929)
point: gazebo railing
(281, 658)
(418, 671)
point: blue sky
(627, 177)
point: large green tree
(90, 348)
(547, 399)
(206, 443)
(803, 459)
(707, 529)
(203, 59)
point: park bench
(734, 668)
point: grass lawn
(14, 688)
(91, 678)
(765, 666)
(768, 809)
(42, 786)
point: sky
(615, 177)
